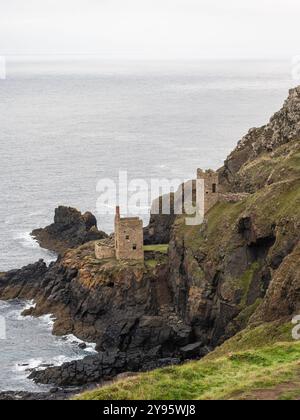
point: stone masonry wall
(211, 188)
(103, 251)
(129, 239)
(232, 197)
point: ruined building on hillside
(213, 193)
(211, 188)
(128, 241)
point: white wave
(16, 314)
(3, 304)
(29, 304)
(39, 364)
(26, 240)
(28, 364)
(48, 320)
(91, 348)
(22, 306)
(72, 339)
(60, 360)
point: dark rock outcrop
(69, 230)
(283, 129)
(159, 229)
(24, 283)
(37, 396)
(106, 366)
(160, 226)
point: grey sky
(151, 28)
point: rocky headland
(239, 269)
(69, 230)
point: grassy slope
(259, 358)
(163, 248)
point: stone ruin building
(213, 193)
(128, 242)
(211, 188)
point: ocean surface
(65, 125)
(29, 344)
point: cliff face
(239, 268)
(242, 265)
(159, 229)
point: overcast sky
(150, 29)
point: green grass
(284, 163)
(254, 362)
(162, 248)
(245, 281)
(151, 263)
(290, 395)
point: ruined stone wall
(232, 197)
(211, 188)
(103, 251)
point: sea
(67, 124)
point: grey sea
(66, 124)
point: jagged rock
(82, 346)
(94, 368)
(23, 283)
(37, 396)
(191, 350)
(159, 229)
(283, 129)
(69, 230)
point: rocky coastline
(240, 268)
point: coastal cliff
(238, 270)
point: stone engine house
(129, 238)
(128, 243)
(211, 188)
